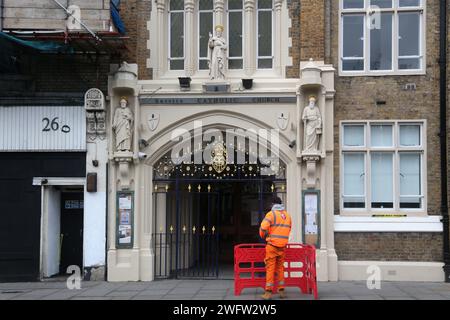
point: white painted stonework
(383, 224)
(214, 112)
(392, 271)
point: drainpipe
(443, 134)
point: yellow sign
(389, 215)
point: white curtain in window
(354, 174)
(354, 135)
(381, 44)
(382, 177)
(205, 27)
(235, 24)
(409, 135)
(409, 174)
(381, 136)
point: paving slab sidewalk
(217, 290)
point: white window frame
(159, 41)
(197, 42)
(258, 10)
(242, 35)
(169, 58)
(395, 10)
(396, 149)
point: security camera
(142, 155)
(292, 144)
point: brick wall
(294, 33)
(135, 15)
(355, 99)
(62, 76)
(312, 30)
(128, 14)
(70, 73)
(389, 246)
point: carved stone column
(162, 247)
(219, 6)
(277, 36)
(161, 52)
(249, 38)
(189, 61)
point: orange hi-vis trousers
(274, 265)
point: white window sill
(382, 224)
(381, 73)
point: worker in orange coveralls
(275, 229)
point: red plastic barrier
(299, 270)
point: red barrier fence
(299, 267)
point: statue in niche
(217, 47)
(312, 121)
(123, 126)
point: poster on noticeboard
(311, 217)
(125, 207)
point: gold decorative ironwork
(193, 229)
(272, 188)
(189, 188)
(219, 157)
(171, 229)
(199, 188)
(167, 187)
(156, 187)
(283, 187)
(184, 229)
(160, 229)
(209, 188)
(204, 229)
(213, 229)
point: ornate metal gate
(188, 245)
(192, 213)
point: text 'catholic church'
(176, 154)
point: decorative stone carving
(125, 67)
(124, 159)
(312, 121)
(123, 126)
(282, 120)
(94, 104)
(153, 121)
(91, 125)
(101, 123)
(126, 72)
(311, 162)
(217, 48)
(94, 100)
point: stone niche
(315, 136)
(124, 107)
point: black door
(71, 230)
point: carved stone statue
(123, 126)
(217, 47)
(312, 121)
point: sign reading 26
(54, 125)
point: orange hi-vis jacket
(276, 227)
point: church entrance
(200, 215)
